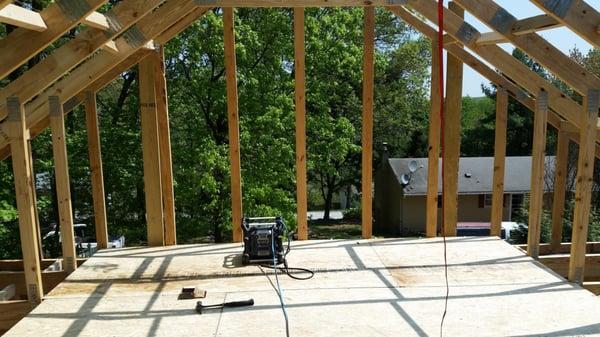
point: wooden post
(164, 137)
(63, 187)
(25, 190)
(454, 80)
(560, 188)
(300, 103)
(95, 155)
(434, 144)
(367, 122)
(538, 160)
(234, 123)
(583, 192)
(151, 154)
(499, 161)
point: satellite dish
(412, 166)
(405, 179)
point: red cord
(440, 50)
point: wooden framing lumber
(22, 44)
(111, 47)
(4, 3)
(97, 20)
(234, 123)
(499, 161)
(451, 138)
(367, 122)
(564, 248)
(149, 27)
(299, 3)
(491, 38)
(63, 187)
(22, 17)
(505, 62)
(520, 27)
(583, 191)
(50, 279)
(151, 154)
(434, 143)
(300, 105)
(164, 138)
(593, 287)
(509, 66)
(497, 18)
(560, 187)
(538, 160)
(579, 16)
(96, 172)
(534, 24)
(13, 311)
(114, 71)
(17, 264)
(68, 56)
(560, 264)
(25, 190)
(183, 23)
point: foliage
(353, 213)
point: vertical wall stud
(151, 154)
(538, 162)
(234, 123)
(367, 122)
(25, 191)
(560, 188)
(63, 187)
(300, 102)
(95, 155)
(499, 162)
(583, 191)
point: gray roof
(475, 175)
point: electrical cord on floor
(285, 269)
(290, 270)
(279, 291)
(440, 50)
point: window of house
(485, 200)
(517, 201)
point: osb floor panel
(361, 288)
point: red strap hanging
(440, 51)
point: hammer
(199, 305)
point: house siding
(414, 213)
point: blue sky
(562, 38)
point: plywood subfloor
(361, 288)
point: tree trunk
(328, 204)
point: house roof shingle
(475, 175)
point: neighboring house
(400, 197)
